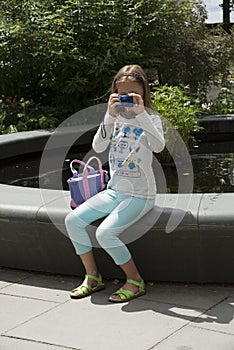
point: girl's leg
(129, 210)
(124, 215)
(93, 209)
(77, 220)
(90, 267)
(133, 274)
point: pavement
(36, 313)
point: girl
(133, 132)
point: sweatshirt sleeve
(152, 126)
(103, 135)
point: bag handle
(73, 170)
(85, 176)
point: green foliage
(174, 39)
(65, 53)
(24, 116)
(174, 104)
(222, 104)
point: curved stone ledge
(198, 249)
(216, 128)
(218, 124)
(34, 141)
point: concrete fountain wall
(200, 249)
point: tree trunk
(226, 15)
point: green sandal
(84, 290)
(127, 295)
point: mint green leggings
(123, 210)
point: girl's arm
(102, 137)
(152, 126)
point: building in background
(215, 11)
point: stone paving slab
(21, 344)
(16, 310)
(194, 338)
(45, 287)
(190, 295)
(37, 313)
(220, 317)
(8, 276)
(83, 323)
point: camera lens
(124, 98)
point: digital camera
(126, 101)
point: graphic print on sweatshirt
(124, 148)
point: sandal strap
(140, 285)
(124, 294)
(97, 279)
(83, 289)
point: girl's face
(126, 87)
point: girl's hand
(138, 103)
(112, 103)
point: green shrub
(174, 103)
(222, 104)
(65, 53)
(24, 115)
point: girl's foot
(130, 290)
(90, 285)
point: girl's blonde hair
(134, 73)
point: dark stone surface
(198, 249)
